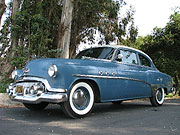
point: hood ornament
(26, 70)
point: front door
(132, 82)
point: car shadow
(54, 112)
(125, 106)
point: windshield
(97, 53)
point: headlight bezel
(14, 74)
(52, 71)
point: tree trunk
(14, 40)
(176, 84)
(15, 8)
(65, 28)
(2, 9)
(72, 52)
(74, 42)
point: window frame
(137, 56)
(146, 59)
(124, 49)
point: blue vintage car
(99, 74)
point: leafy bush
(3, 87)
(4, 83)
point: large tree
(33, 25)
(103, 16)
(6, 67)
(163, 45)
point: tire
(157, 98)
(80, 102)
(36, 107)
(117, 102)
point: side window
(144, 61)
(128, 57)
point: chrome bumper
(44, 97)
(35, 90)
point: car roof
(124, 47)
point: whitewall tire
(157, 98)
(80, 101)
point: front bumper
(35, 90)
(44, 97)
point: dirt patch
(6, 102)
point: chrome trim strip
(44, 81)
(110, 77)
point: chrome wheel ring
(160, 96)
(81, 98)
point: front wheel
(80, 101)
(36, 107)
(157, 98)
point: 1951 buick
(100, 74)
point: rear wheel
(80, 101)
(36, 107)
(157, 98)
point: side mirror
(119, 57)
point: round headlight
(14, 74)
(52, 71)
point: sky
(152, 13)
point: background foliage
(32, 31)
(36, 24)
(163, 45)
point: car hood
(39, 67)
(67, 70)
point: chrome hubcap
(80, 99)
(159, 95)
